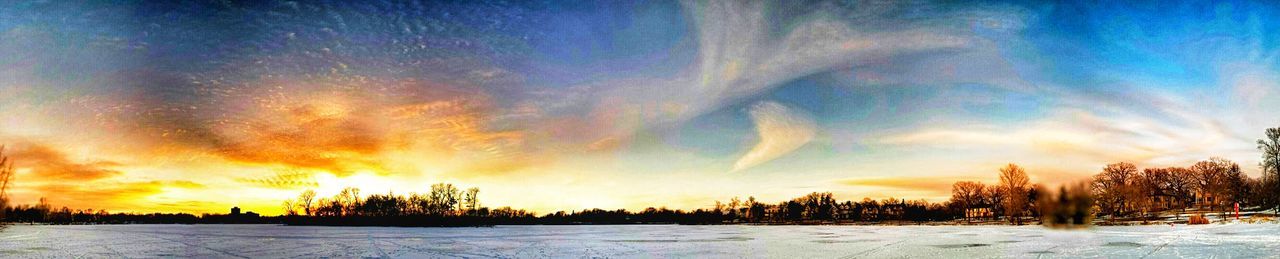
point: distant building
(235, 211)
(982, 212)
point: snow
(644, 241)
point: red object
(1237, 210)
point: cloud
(1175, 135)
(742, 54)
(181, 184)
(111, 195)
(301, 89)
(344, 125)
(47, 164)
(317, 96)
(287, 180)
(781, 129)
(924, 184)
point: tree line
(1119, 192)
(45, 213)
(1122, 191)
(445, 205)
(1216, 184)
(442, 205)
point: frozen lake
(257, 241)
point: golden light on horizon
(176, 116)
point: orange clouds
(344, 125)
(109, 195)
(939, 185)
(339, 145)
(45, 171)
(122, 149)
(47, 164)
(289, 180)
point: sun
(366, 181)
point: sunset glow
(198, 107)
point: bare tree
(420, 204)
(6, 173)
(1116, 188)
(1235, 184)
(733, 207)
(1182, 185)
(1271, 161)
(995, 199)
(967, 194)
(307, 201)
(443, 198)
(289, 208)
(471, 199)
(754, 210)
(1014, 183)
(349, 199)
(1155, 186)
(1211, 181)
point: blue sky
(567, 105)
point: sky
(198, 106)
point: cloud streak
(939, 185)
(781, 129)
(740, 56)
(47, 164)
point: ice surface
(645, 241)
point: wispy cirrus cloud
(781, 129)
(741, 56)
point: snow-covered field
(257, 241)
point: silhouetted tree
(306, 200)
(471, 200)
(6, 173)
(755, 210)
(733, 206)
(329, 208)
(289, 208)
(793, 210)
(817, 206)
(348, 199)
(442, 199)
(377, 205)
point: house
(983, 212)
(1205, 199)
